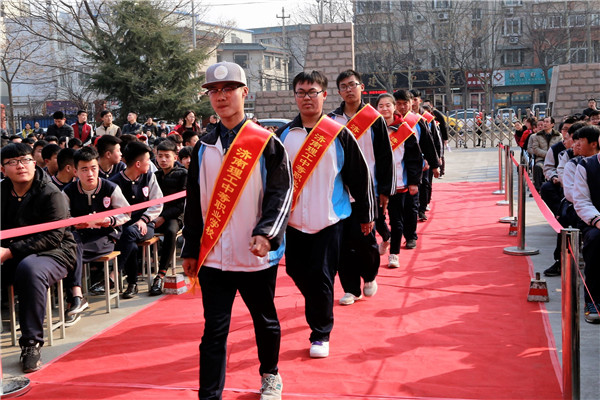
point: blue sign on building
(522, 77)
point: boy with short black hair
(171, 179)
(37, 152)
(185, 156)
(109, 161)
(138, 186)
(66, 169)
(50, 154)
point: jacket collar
(340, 110)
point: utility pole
(321, 4)
(283, 18)
(193, 26)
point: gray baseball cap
(225, 72)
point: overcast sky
(249, 13)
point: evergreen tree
(142, 62)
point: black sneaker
(31, 357)
(591, 313)
(554, 270)
(71, 320)
(411, 244)
(422, 216)
(157, 285)
(98, 288)
(78, 304)
(132, 290)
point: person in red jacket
(81, 129)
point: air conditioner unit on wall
(420, 18)
(513, 40)
(443, 16)
(509, 11)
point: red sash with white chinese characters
(402, 133)
(362, 121)
(412, 119)
(312, 150)
(240, 160)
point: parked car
(539, 109)
(468, 118)
(505, 115)
(276, 122)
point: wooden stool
(106, 259)
(50, 325)
(174, 260)
(147, 246)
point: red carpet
(452, 323)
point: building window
(578, 53)
(267, 62)
(576, 20)
(441, 4)
(476, 14)
(512, 57)
(241, 59)
(477, 50)
(277, 63)
(555, 21)
(512, 27)
(512, 3)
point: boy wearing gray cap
(237, 171)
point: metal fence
(467, 133)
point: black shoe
(422, 216)
(131, 291)
(157, 285)
(78, 304)
(554, 270)
(71, 320)
(590, 313)
(99, 289)
(411, 244)
(31, 357)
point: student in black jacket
(171, 179)
(35, 261)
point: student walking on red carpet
(326, 162)
(238, 171)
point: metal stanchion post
(521, 250)
(500, 190)
(570, 313)
(510, 189)
(506, 188)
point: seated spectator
(162, 130)
(185, 156)
(32, 262)
(62, 141)
(190, 122)
(49, 154)
(530, 127)
(189, 138)
(26, 131)
(132, 127)
(539, 145)
(595, 117)
(107, 127)
(177, 138)
(59, 128)
(149, 128)
(519, 129)
(591, 107)
(29, 141)
(138, 185)
(171, 179)
(51, 139)
(37, 131)
(75, 144)
(16, 139)
(586, 200)
(213, 121)
(66, 169)
(81, 129)
(109, 161)
(37, 153)
(89, 195)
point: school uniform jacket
(106, 196)
(377, 150)
(114, 170)
(263, 208)
(586, 192)
(171, 183)
(144, 188)
(552, 159)
(325, 200)
(408, 162)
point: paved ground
(472, 165)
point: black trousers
(411, 210)
(169, 228)
(311, 261)
(591, 256)
(552, 195)
(425, 188)
(87, 250)
(398, 203)
(381, 225)
(359, 256)
(127, 245)
(32, 276)
(219, 289)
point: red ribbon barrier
(512, 157)
(28, 230)
(543, 206)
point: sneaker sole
(28, 371)
(393, 266)
(71, 323)
(593, 321)
(79, 309)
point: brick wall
(330, 50)
(571, 87)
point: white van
(539, 109)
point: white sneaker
(370, 288)
(393, 261)
(349, 298)
(319, 349)
(384, 247)
(271, 386)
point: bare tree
(323, 12)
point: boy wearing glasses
(234, 223)
(360, 252)
(326, 162)
(35, 261)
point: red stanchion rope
(501, 145)
(581, 276)
(512, 157)
(543, 206)
(28, 230)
